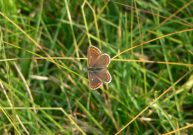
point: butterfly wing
(102, 61)
(103, 75)
(97, 60)
(94, 81)
(92, 54)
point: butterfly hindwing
(103, 75)
(94, 81)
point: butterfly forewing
(92, 54)
(102, 61)
(94, 81)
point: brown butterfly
(97, 67)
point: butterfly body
(97, 67)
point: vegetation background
(43, 67)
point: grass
(43, 67)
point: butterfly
(97, 67)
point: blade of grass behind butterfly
(90, 117)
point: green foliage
(43, 68)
